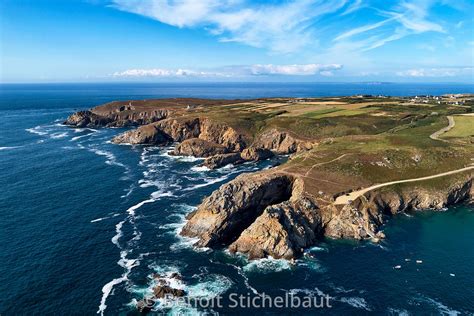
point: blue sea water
(85, 223)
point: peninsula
(353, 162)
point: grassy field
(464, 127)
(359, 141)
(373, 142)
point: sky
(236, 40)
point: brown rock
(179, 129)
(161, 291)
(221, 218)
(256, 154)
(283, 230)
(176, 275)
(281, 142)
(147, 134)
(118, 116)
(222, 160)
(183, 128)
(86, 119)
(198, 148)
(221, 134)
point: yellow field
(464, 127)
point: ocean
(85, 223)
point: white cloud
(234, 71)
(437, 72)
(362, 29)
(291, 25)
(356, 5)
(159, 72)
(281, 27)
(413, 16)
(294, 70)
(407, 17)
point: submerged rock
(145, 305)
(161, 291)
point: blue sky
(236, 40)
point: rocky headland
(284, 210)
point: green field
(464, 127)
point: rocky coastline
(271, 213)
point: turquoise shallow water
(85, 223)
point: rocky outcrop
(119, 116)
(162, 289)
(256, 154)
(261, 215)
(86, 119)
(222, 216)
(221, 134)
(147, 134)
(281, 142)
(283, 230)
(363, 217)
(222, 160)
(270, 214)
(198, 148)
(180, 129)
(248, 154)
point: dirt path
(344, 199)
(323, 163)
(436, 135)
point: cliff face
(281, 142)
(270, 214)
(222, 216)
(181, 129)
(362, 218)
(197, 147)
(147, 134)
(283, 230)
(262, 214)
(120, 117)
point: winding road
(436, 134)
(345, 199)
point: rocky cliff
(138, 112)
(363, 217)
(281, 142)
(120, 117)
(198, 136)
(271, 214)
(220, 143)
